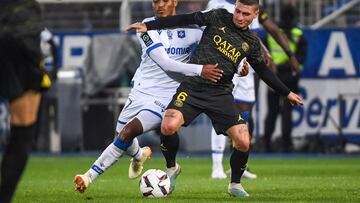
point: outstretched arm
(197, 18)
(274, 30)
(273, 81)
(164, 22)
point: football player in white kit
(244, 87)
(163, 64)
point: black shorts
(19, 66)
(215, 103)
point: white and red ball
(154, 183)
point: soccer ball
(154, 183)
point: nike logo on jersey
(222, 29)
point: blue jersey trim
(121, 122)
(154, 112)
(243, 101)
(153, 47)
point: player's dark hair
(250, 2)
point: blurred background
(97, 60)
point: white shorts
(244, 88)
(148, 109)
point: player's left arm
(269, 77)
(198, 18)
(275, 83)
(274, 30)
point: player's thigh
(223, 113)
(25, 108)
(183, 108)
(147, 109)
(240, 136)
(173, 120)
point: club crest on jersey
(169, 34)
(245, 46)
(146, 39)
(181, 34)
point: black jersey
(223, 43)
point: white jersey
(178, 43)
(159, 74)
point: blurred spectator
(141, 10)
(49, 52)
(20, 82)
(48, 104)
(282, 67)
(191, 6)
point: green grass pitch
(49, 179)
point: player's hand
(211, 72)
(294, 65)
(244, 69)
(139, 27)
(295, 99)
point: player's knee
(242, 144)
(168, 129)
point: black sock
(238, 161)
(14, 160)
(169, 147)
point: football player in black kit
(226, 40)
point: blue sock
(121, 145)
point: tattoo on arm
(170, 114)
